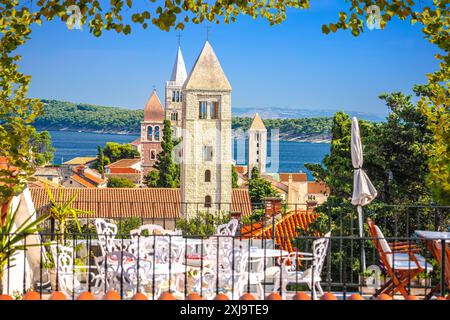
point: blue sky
(292, 65)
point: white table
(256, 253)
(433, 235)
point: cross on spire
(179, 38)
(207, 32)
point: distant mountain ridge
(291, 113)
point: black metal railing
(182, 258)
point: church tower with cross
(174, 93)
(206, 144)
(151, 132)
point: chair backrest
(168, 252)
(438, 250)
(383, 248)
(228, 229)
(106, 233)
(320, 247)
(64, 266)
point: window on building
(174, 116)
(157, 136)
(214, 109)
(150, 133)
(208, 202)
(202, 110)
(152, 155)
(181, 96)
(207, 153)
(257, 137)
(208, 176)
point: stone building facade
(206, 143)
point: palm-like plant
(62, 211)
(12, 240)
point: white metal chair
(106, 233)
(228, 229)
(289, 272)
(69, 274)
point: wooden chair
(401, 262)
(437, 252)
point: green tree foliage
(100, 165)
(437, 150)
(17, 19)
(67, 115)
(394, 154)
(260, 188)
(152, 179)
(42, 144)
(168, 171)
(395, 161)
(202, 225)
(118, 182)
(114, 151)
(234, 177)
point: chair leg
(319, 288)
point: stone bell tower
(206, 144)
(257, 146)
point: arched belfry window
(150, 133)
(157, 133)
(208, 176)
(208, 202)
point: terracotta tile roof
(88, 174)
(153, 110)
(296, 177)
(285, 229)
(147, 203)
(41, 183)
(136, 142)
(83, 181)
(123, 170)
(80, 160)
(123, 166)
(318, 187)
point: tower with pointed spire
(206, 144)
(151, 132)
(257, 145)
(174, 94)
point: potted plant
(49, 265)
(62, 212)
(11, 239)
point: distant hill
(294, 125)
(291, 113)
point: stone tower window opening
(207, 153)
(152, 154)
(208, 201)
(157, 133)
(202, 110)
(214, 109)
(208, 176)
(150, 133)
